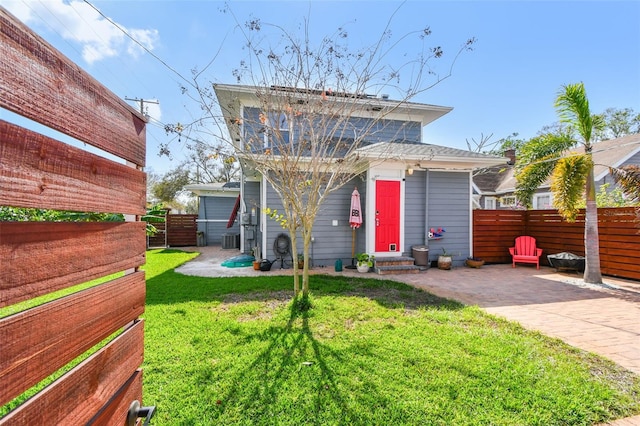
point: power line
(125, 32)
(142, 102)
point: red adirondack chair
(525, 251)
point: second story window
(278, 129)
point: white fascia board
(231, 97)
(617, 163)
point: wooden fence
(494, 232)
(178, 230)
(37, 259)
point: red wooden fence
(39, 83)
(494, 232)
(178, 230)
(182, 230)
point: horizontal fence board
(38, 171)
(73, 398)
(38, 82)
(181, 230)
(40, 257)
(621, 272)
(494, 232)
(115, 412)
(157, 240)
(39, 341)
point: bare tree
(317, 106)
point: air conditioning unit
(230, 241)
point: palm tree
(628, 177)
(571, 176)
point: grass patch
(58, 294)
(237, 351)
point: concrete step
(397, 269)
(394, 261)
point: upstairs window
(278, 127)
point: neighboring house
(419, 187)
(494, 187)
(216, 203)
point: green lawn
(369, 352)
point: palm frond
(155, 214)
(568, 184)
(536, 160)
(628, 177)
(572, 105)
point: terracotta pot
(474, 263)
(256, 265)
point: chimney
(511, 155)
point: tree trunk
(592, 272)
(306, 241)
(294, 254)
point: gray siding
(331, 242)
(633, 160)
(251, 200)
(382, 131)
(449, 209)
(216, 208)
(414, 210)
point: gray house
(494, 187)
(404, 195)
(216, 204)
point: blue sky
(525, 51)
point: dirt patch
(269, 303)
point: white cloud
(78, 22)
(147, 38)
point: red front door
(387, 215)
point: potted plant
(256, 257)
(301, 261)
(365, 262)
(474, 262)
(444, 260)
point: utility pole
(142, 102)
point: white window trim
(536, 201)
(510, 198)
(493, 201)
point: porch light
(410, 170)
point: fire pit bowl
(566, 261)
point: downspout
(426, 207)
(471, 213)
(243, 210)
(203, 202)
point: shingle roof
(429, 155)
(488, 179)
(612, 152)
